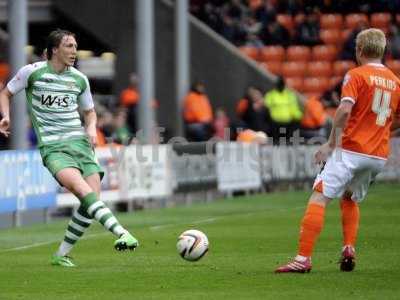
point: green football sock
(99, 211)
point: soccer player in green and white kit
(54, 91)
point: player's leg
(310, 229)
(79, 222)
(350, 222)
(104, 215)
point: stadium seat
(344, 35)
(108, 56)
(298, 53)
(393, 65)
(316, 85)
(324, 52)
(294, 69)
(330, 36)
(299, 18)
(274, 67)
(319, 69)
(286, 21)
(4, 72)
(295, 83)
(381, 20)
(352, 20)
(251, 52)
(331, 21)
(272, 53)
(342, 66)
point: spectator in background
(251, 136)
(122, 134)
(349, 46)
(265, 13)
(252, 112)
(221, 122)
(197, 113)
(129, 99)
(284, 110)
(315, 119)
(275, 34)
(307, 33)
(394, 41)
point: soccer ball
(192, 245)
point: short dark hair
(54, 39)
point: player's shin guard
(77, 226)
(311, 227)
(99, 211)
(350, 221)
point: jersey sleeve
(20, 80)
(351, 87)
(86, 99)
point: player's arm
(90, 125)
(350, 87)
(89, 114)
(5, 96)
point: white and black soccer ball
(192, 245)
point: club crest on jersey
(60, 101)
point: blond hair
(371, 43)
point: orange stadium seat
(393, 65)
(294, 69)
(272, 53)
(298, 53)
(274, 67)
(342, 66)
(299, 18)
(251, 52)
(319, 69)
(381, 20)
(324, 52)
(352, 20)
(330, 36)
(4, 72)
(344, 35)
(295, 83)
(331, 21)
(286, 21)
(316, 85)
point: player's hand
(92, 135)
(323, 153)
(4, 126)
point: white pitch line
(34, 245)
(157, 227)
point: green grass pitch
(249, 238)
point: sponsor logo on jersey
(60, 101)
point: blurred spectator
(251, 136)
(349, 46)
(314, 121)
(122, 134)
(265, 13)
(252, 112)
(307, 33)
(275, 34)
(129, 99)
(284, 110)
(197, 113)
(104, 127)
(221, 122)
(394, 41)
(32, 138)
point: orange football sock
(350, 220)
(311, 227)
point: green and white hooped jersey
(53, 100)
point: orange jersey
(375, 92)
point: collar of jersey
(50, 67)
